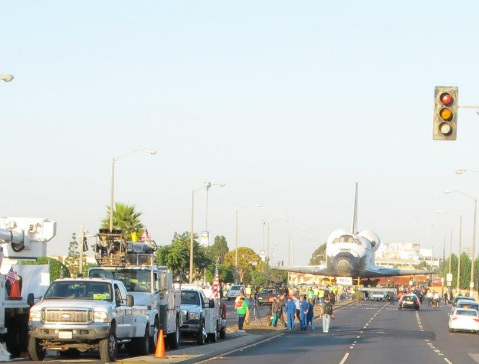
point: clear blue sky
(287, 102)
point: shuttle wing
(372, 272)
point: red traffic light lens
(446, 99)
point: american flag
(216, 285)
(12, 275)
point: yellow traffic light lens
(445, 128)
(445, 113)
(446, 99)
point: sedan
(409, 300)
(467, 304)
(267, 296)
(464, 319)
(457, 298)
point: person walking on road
(328, 314)
(310, 315)
(303, 313)
(290, 310)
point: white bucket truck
(135, 264)
(21, 239)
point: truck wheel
(140, 345)
(200, 337)
(144, 342)
(154, 338)
(108, 349)
(35, 350)
(223, 334)
(213, 337)
(174, 337)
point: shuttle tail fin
(355, 212)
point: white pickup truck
(202, 318)
(76, 315)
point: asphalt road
(375, 332)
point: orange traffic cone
(15, 291)
(160, 346)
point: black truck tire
(35, 351)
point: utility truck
(21, 239)
(151, 285)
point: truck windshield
(80, 290)
(135, 280)
(190, 298)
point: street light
(458, 288)
(206, 185)
(112, 188)
(237, 237)
(6, 78)
(471, 284)
(268, 256)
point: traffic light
(445, 113)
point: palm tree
(125, 218)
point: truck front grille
(68, 316)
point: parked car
(267, 296)
(234, 292)
(409, 300)
(464, 319)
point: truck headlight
(35, 315)
(193, 316)
(100, 316)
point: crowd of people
(291, 305)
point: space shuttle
(351, 254)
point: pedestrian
(328, 314)
(290, 310)
(303, 307)
(274, 312)
(241, 307)
(249, 301)
(281, 314)
(310, 315)
(297, 303)
(358, 295)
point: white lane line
(345, 357)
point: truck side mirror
(211, 304)
(130, 300)
(30, 299)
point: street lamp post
(237, 237)
(268, 256)
(6, 78)
(207, 186)
(460, 248)
(471, 284)
(112, 187)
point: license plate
(65, 335)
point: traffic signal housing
(445, 113)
